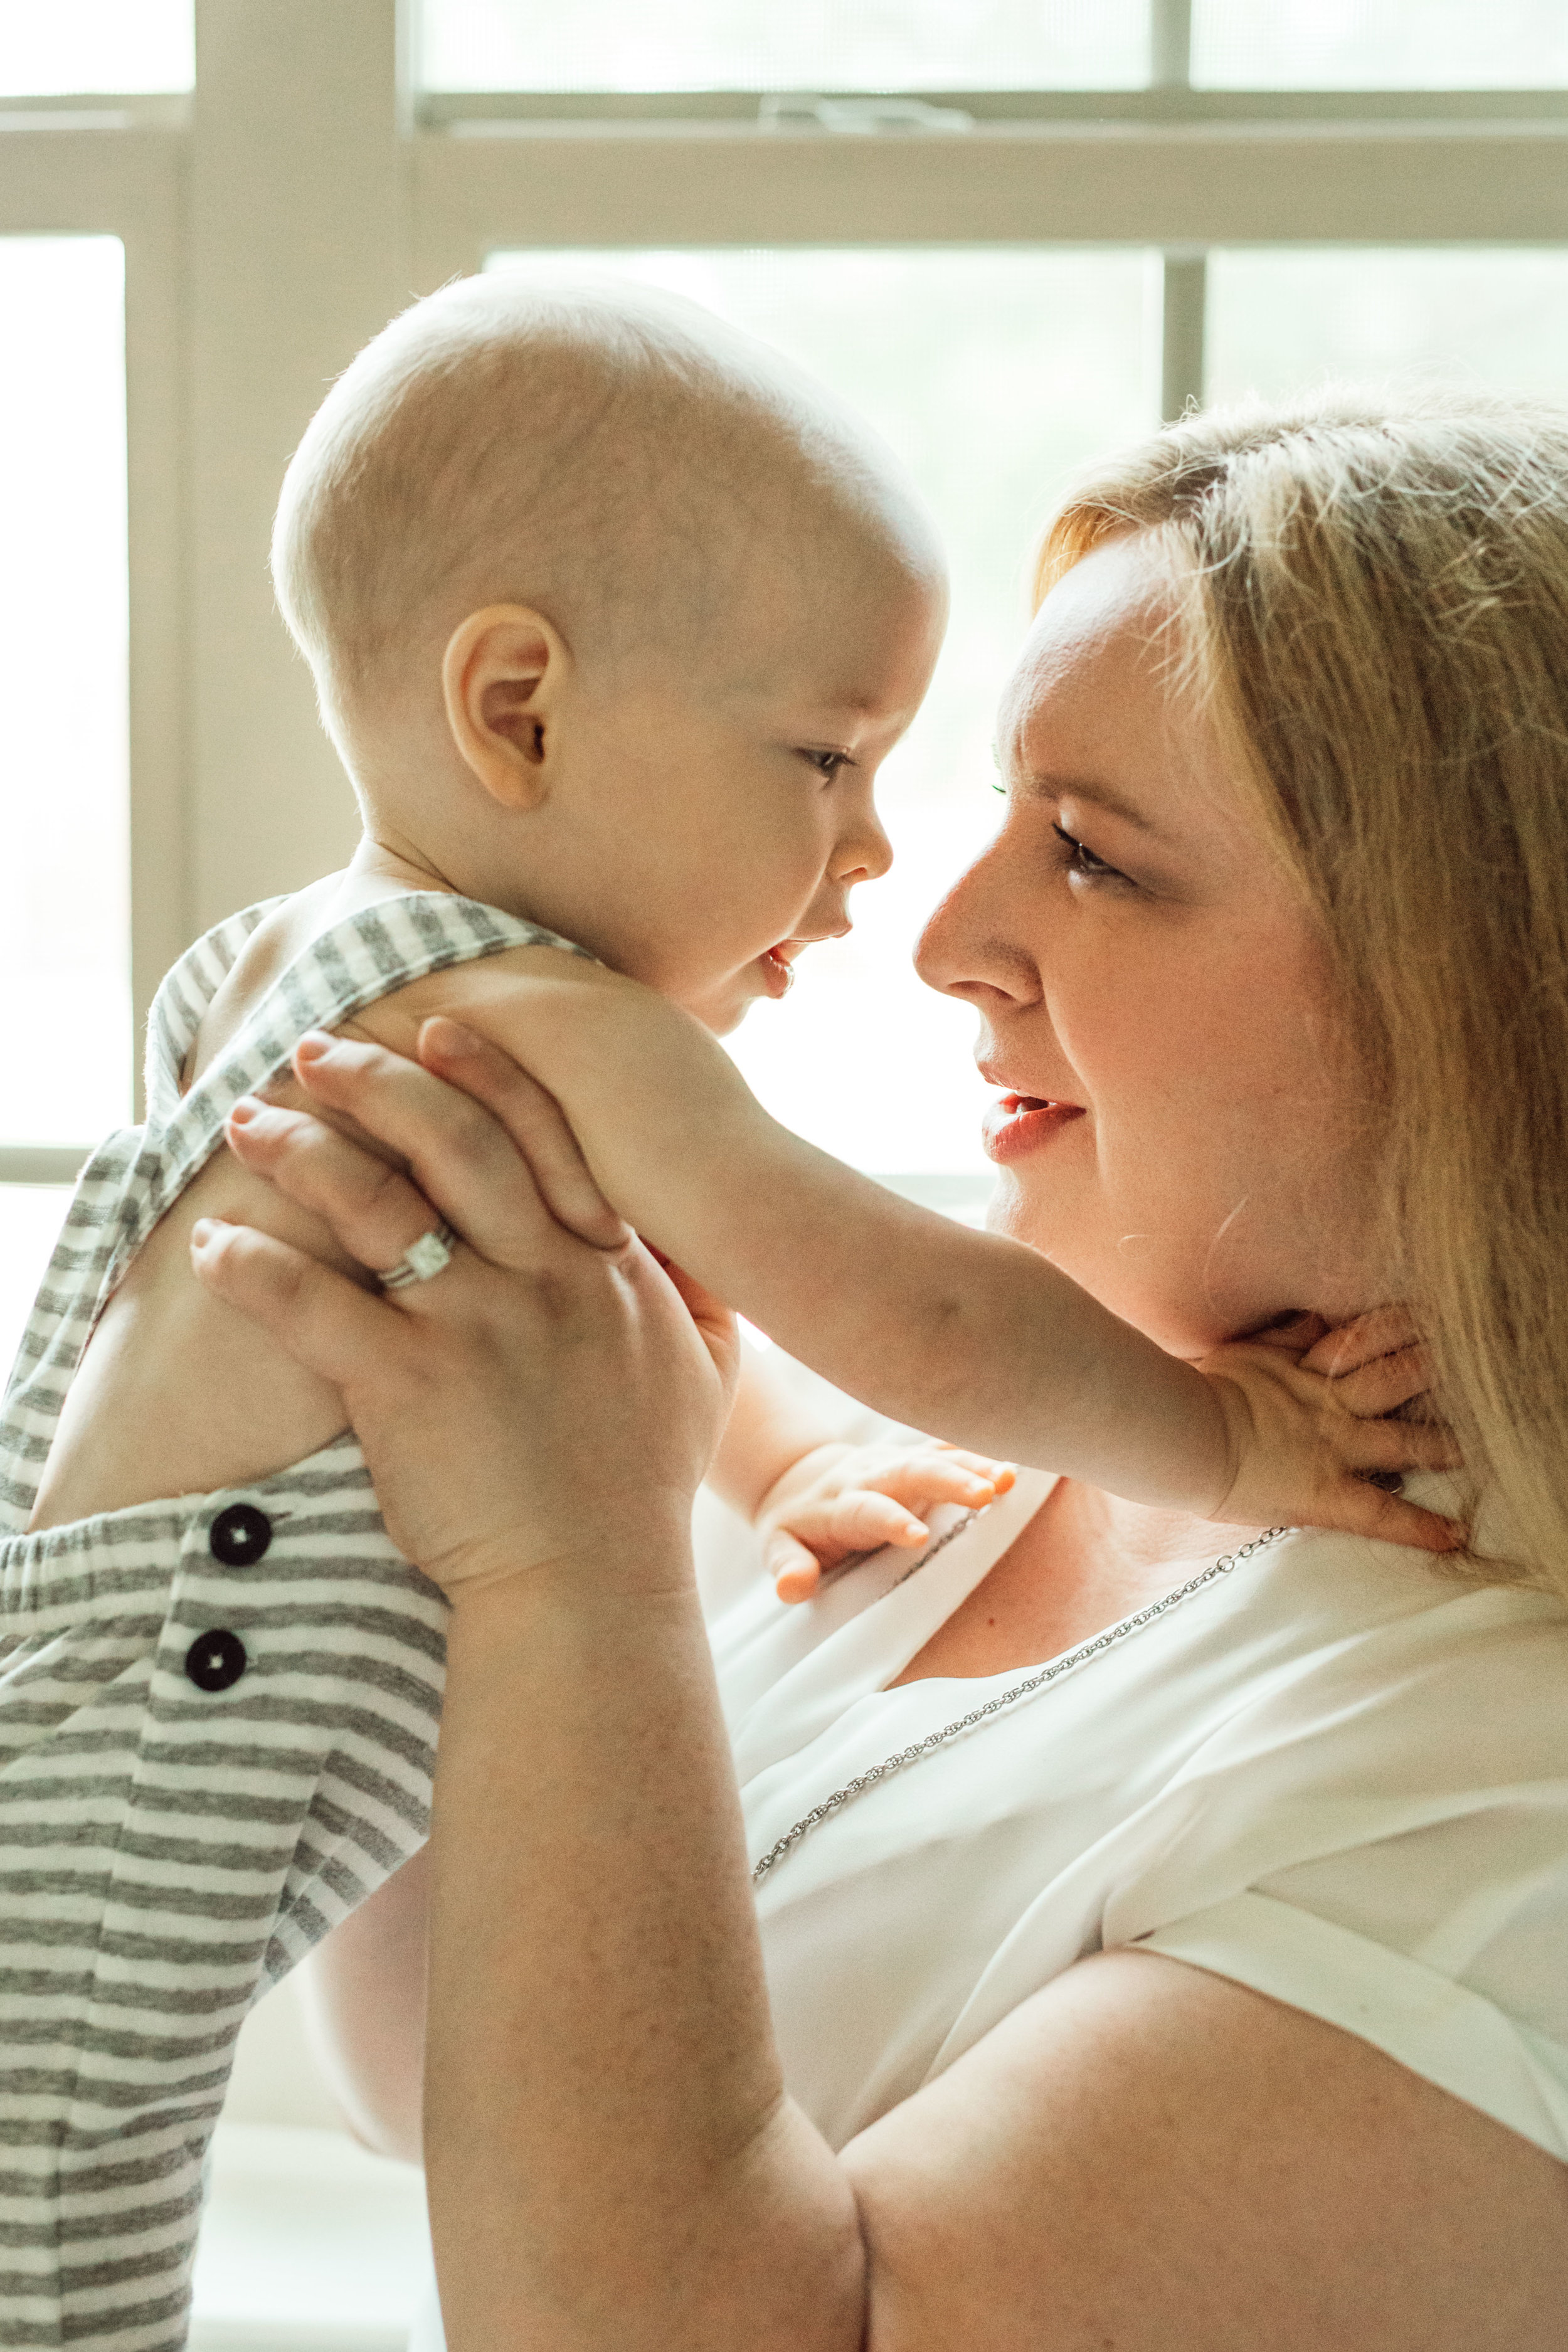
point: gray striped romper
(217, 1714)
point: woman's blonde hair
(1373, 596)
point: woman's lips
(1021, 1123)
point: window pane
(56, 47)
(1278, 322)
(64, 927)
(814, 45)
(993, 372)
(30, 1218)
(1379, 44)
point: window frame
(120, 177)
(238, 310)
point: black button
(215, 1661)
(239, 1535)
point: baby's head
(612, 616)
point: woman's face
(1179, 1127)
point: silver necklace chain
(1069, 1659)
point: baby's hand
(838, 1501)
(1307, 1411)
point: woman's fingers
(536, 1122)
(461, 1158)
(319, 1318)
(372, 1210)
(715, 1323)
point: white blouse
(1333, 1773)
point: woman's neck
(1085, 1560)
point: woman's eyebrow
(1081, 788)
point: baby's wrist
(810, 1463)
(1198, 1449)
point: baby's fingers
(946, 1476)
(1385, 1384)
(796, 1570)
(1397, 1445)
(1381, 1332)
(1359, 1509)
(825, 1535)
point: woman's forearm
(611, 2160)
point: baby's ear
(501, 678)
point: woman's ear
(501, 678)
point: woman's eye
(1081, 860)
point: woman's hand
(541, 1400)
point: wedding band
(421, 1260)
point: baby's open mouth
(778, 965)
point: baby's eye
(1082, 861)
(827, 763)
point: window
(1469, 314)
(754, 45)
(1326, 45)
(63, 911)
(78, 46)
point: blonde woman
(1119, 1932)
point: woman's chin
(1130, 1278)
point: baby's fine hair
(609, 455)
(1370, 591)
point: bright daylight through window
(872, 45)
(1379, 44)
(77, 47)
(64, 914)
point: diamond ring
(421, 1260)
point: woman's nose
(964, 948)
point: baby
(613, 620)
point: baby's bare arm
(969, 1336)
(973, 1338)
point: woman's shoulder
(1379, 1835)
(1352, 1610)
